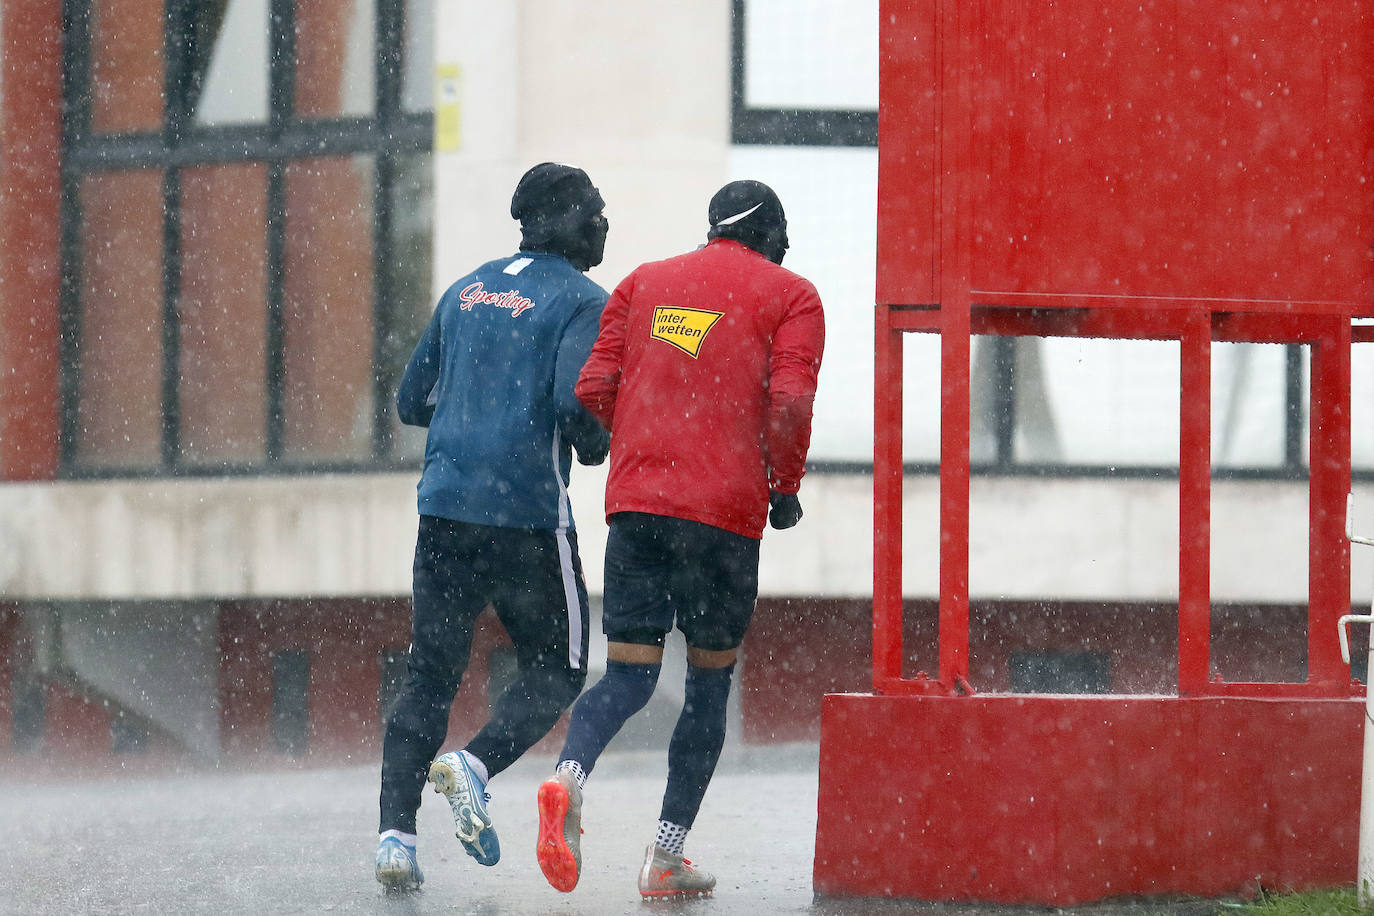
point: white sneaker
(665, 875)
(398, 869)
(467, 796)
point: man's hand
(784, 510)
(591, 456)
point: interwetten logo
(683, 328)
(474, 294)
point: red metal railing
(1195, 329)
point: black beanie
(746, 205)
(553, 199)
(749, 212)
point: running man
(492, 377)
(704, 370)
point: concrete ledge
(1060, 800)
(354, 535)
(208, 537)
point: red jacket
(704, 370)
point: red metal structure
(1188, 171)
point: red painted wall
(30, 182)
(1179, 149)
(76, 725)
(345, 639)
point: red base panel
(1061, 800)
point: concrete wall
(637, 94)
(255, 537)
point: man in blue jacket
(492, 377)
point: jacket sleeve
(793, 365)
(586, 434)
(418, 391)
(599, 382)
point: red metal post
(955, 240)
(1328, 567)
(1194, 505)
(954, 491)
(887, 500)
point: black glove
(784, 510)
(593, 453)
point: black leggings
(533, 579)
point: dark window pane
(1048, 671)
(223, 314)
(119, 406)
(27, 714)
(1258, 642)
(328, 309)
(502, 670)
(335, 58)
(126, 65)
(291, 700)
(412, 299)
(394, 663)
(229, 67)
(129, 733)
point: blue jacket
(492, 377)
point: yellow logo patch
(683, 328)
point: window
(805, 74)
(291, 700)
(804, 104)
(246, 232)
(1046, 671)
(222, 315)
(392, 667)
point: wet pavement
(216, 841)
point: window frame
(751, 126)
(387, 136)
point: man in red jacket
(704, 370)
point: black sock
(600, 713)
(696, 743)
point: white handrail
(1365, 870)
(1350, 521)
(1345, 640)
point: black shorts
(661, 570)
(532, 579)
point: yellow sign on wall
(448, 109)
